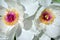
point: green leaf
(58, 1)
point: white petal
(30, 7)
(57, 4)
(12, 33)
(3, 4)
(56, 11)
(18, 31)
(21, 23)
(27, 24)
(52, 31)
(7, 32)
(2, 12)
(11, 3)
(26, 35)
(55, 8)
(45, 2)
(57, 21)
(39, 12)
(44, 37)
(39, 26)
(4, 28)
(34, 29)
(20, 11)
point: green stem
(15, 37)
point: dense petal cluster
(29, 20)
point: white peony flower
(10, 18)
(47, 19)
(28, 7)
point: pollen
(11, 17)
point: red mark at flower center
(10, 17)
(46, 16)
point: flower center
(11, 17)
(47, 16)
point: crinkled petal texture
(30, 7)
(18, 8)
(44, 2)
(47, 19)
(3, 4)
(44, 37)
(10, 18)
(26, 35)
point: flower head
(11, 17)
(47, 19)
(47, 16)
